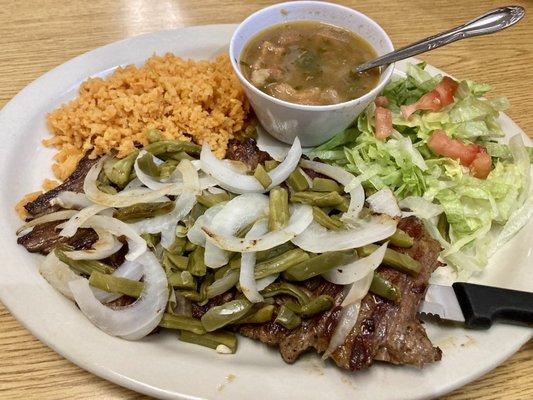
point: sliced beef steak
(247, 152)
(384, 330)
(74, 183)
(45, 237)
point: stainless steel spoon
(490, 22)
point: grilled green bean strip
(189, 324)
(274, 252)
(179, 262)
(139, 211)
(176, 156)
(223, 284)
(211, 199)
(235, 262)
(319, 199)
(86, 267)
(167, 168)
(220, 272)
(189, 246)
(191, 295)
(297, 181)
(178, 246)
(182, 280)
(211, 339)
(196, 264)
(114, 284)
(219, 316)
(343, 205)
(325, 220)
(206, 282)
(288, 318)
(172, 146)
(316, 306)
(151, 239)
(277, 288)
(264, 314)
(401, 262)
(326, 185)
(106, 188)
(444, 227)
(280, 263)
(318, 265)
(384, 288)
(278, 207)
(262, 176)
(121, 170)
(153, 135)
(401, 239)
(148, 166)
(270, 165)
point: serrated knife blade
(477, 306)
(442, 302)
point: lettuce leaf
(482, 213)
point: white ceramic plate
(162, 366)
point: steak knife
(477, 306)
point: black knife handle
(481, 305)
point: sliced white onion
(74, 223)
(318, 239)
(358, 290)
(420, 207)
(339, 174)
(58, 274)
(267, 143)
(167, 223)
(357, 201)
(347, 320)
(189, 174)
(215, 190)
(357, 269)
(136, 243)
(195, 234)
(247, 278)
(307, 177)
(128, 269)
(105, 246)
(131, 322)
(236, 214)
(350, 312)
(262, 283)
(126, 197)
(384, 202)
(134, 184)
(300, 219)
(55, 216)
(241, 183)
(150, 181)
(69, 199)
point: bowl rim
(385, 75)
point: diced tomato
(435, 100)
(381, 101)
(383, 119)
(429, 101)
(440, 143)
(480, 167)
(446, 89)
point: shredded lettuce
(482, 214)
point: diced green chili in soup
(308, 62)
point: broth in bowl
(309, 62)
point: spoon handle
(490, 22)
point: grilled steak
(384, 331)
(45, 237)
(247, 152)
(74, 183)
